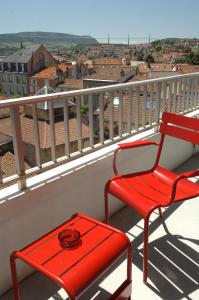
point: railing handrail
(138, 107)
(108, 88)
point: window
(11, 90)
(24, 91)
(24, 80)
(150, 104)
(10, 77)
(18, 90)
(3, 89)
(13, 67)
(17, 79)
(19, 68)
(34, 81)
(5, 66)
(25, 68)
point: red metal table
(75, 269)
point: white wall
(35, 211)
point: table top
(99, 246)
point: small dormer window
(34, 81)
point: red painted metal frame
(77, 268)
(157, 187)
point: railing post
(66, 128)
(79, 124)
(36, 135)
(164, 95)
(120, 127)
(91, 131)
(52, 131)
(18, 145)
(101, 117)
(111, 99)
(158, 102)
(129, 121)
(179, 92)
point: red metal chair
(158, 187)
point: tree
(84, 108)
(140, 55)
(193, 58)
(158, 48)
(149, 59)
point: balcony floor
(174, 257)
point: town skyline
(136, 19)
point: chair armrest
(178, 178)
(135, 144)
(190, 174)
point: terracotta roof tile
(44, 131)
(4, 139)
(185, 68)
(50, 72)
(72, 83)
(108, 73)
(107, 61)
(8, 166)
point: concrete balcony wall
(41, 207)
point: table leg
(14, 276)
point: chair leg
(14, 276)
(145, 262)
(160, 212)
(106, 203)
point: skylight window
(116, 101)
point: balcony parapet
(113, 113)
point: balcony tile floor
(174, 257)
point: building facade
(15, 69)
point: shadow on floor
(173, 267)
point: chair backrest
(181, 127)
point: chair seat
(147, 192)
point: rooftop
(110, 72)
(107, 61)
(50, 72)
(44, 131)
(22, 56)
(72, 84)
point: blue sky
(138, 18)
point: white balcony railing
(114, 112)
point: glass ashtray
(69, 237)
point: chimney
(122, 73)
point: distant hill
(174, 40)
(11, 42)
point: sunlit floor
(173, 257)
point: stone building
(15, 69)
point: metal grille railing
(113, 112)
